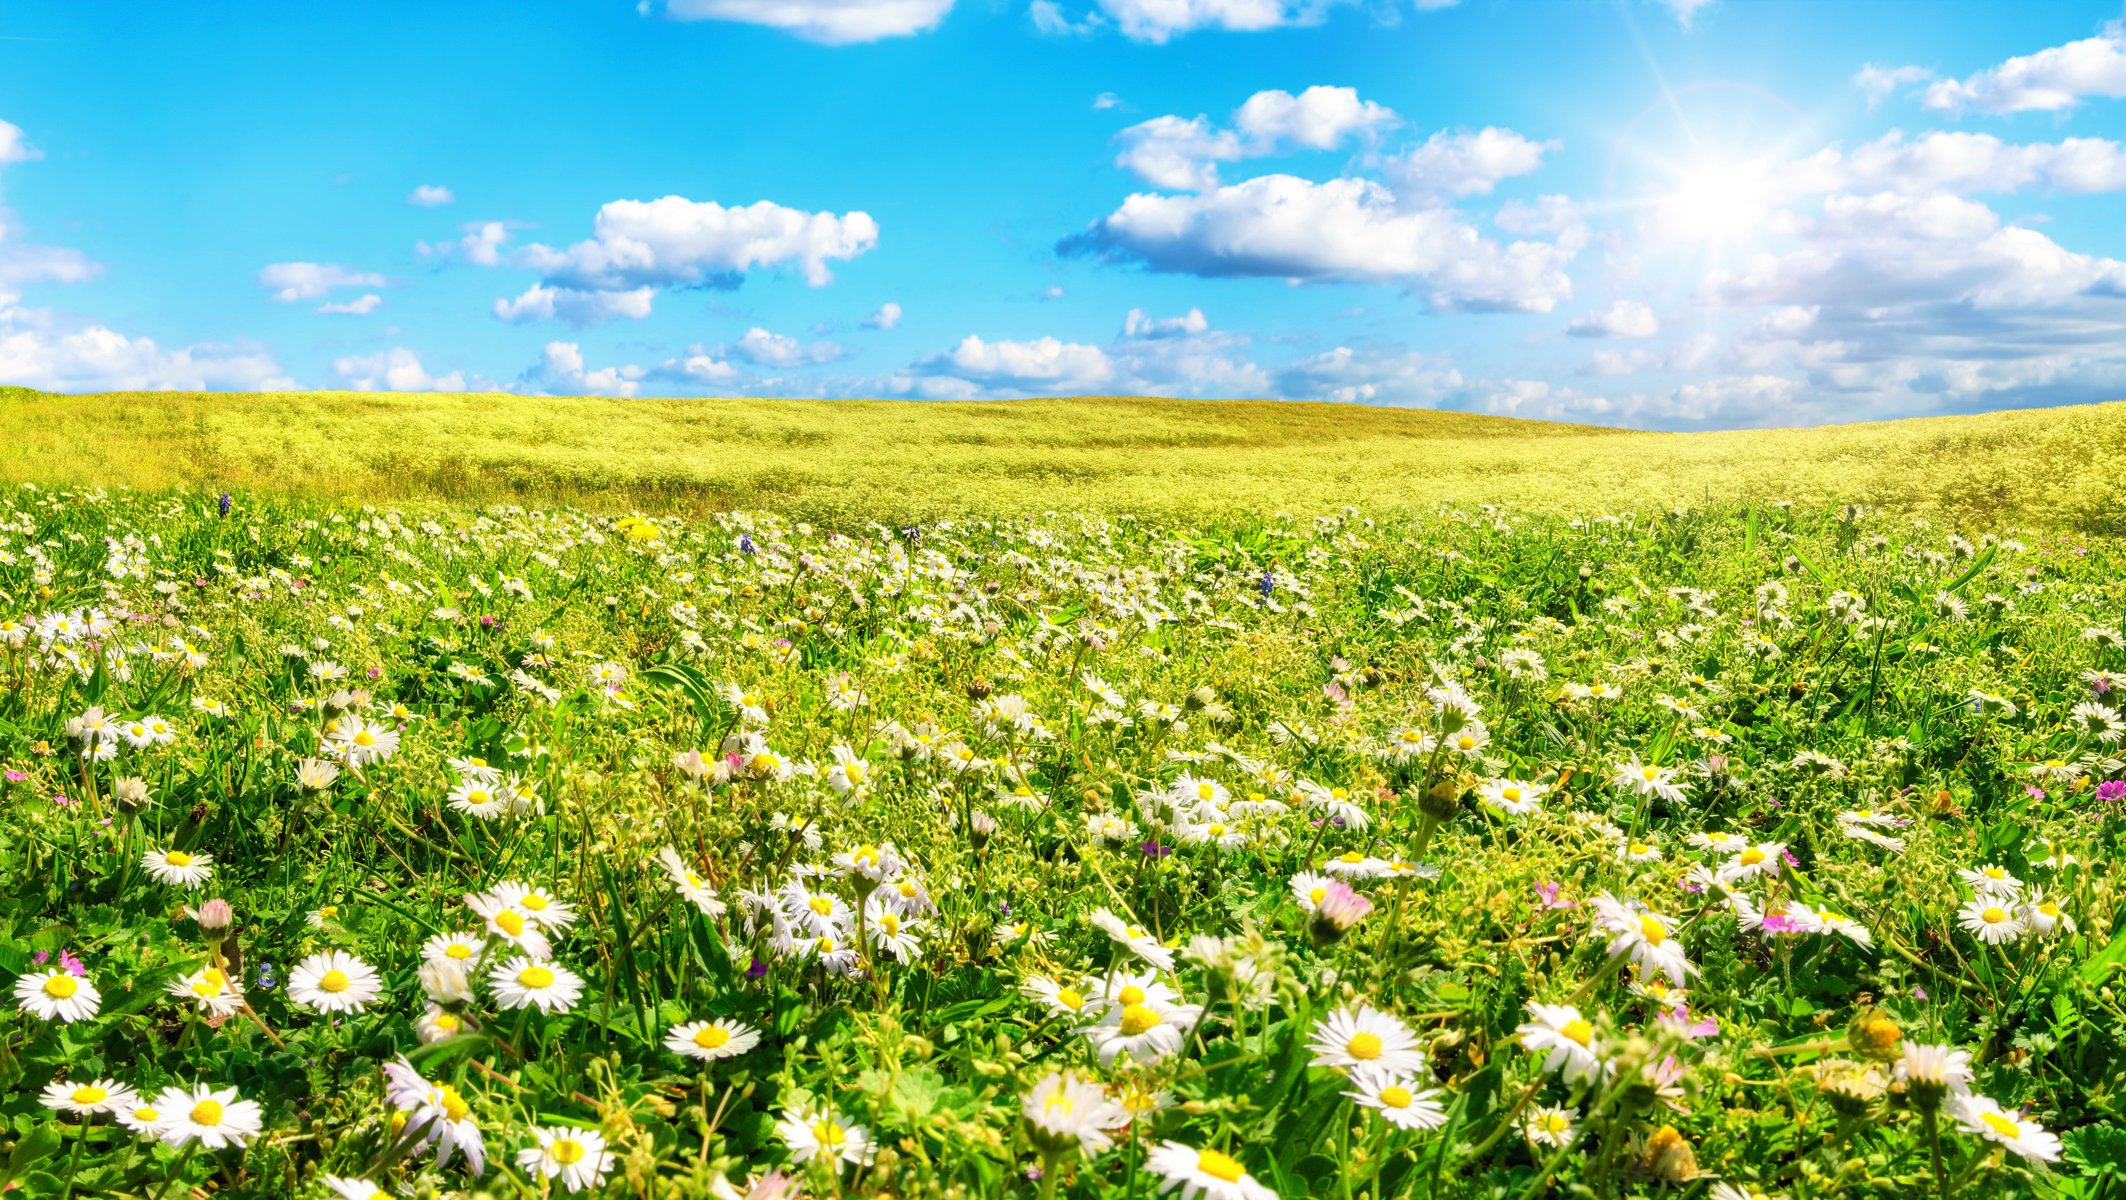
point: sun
(1720, 203)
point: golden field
(895, 460)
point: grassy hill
(894, 460)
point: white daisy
(1567, 1039)
(1365, 1037)
(1996, 1124)
(711, 1040)
(178, 868)
(818, 1135)
(84, 1097)
(522, 983)
(1065, 1109)
(577, 1157)
(334, 982)
(1398, 1098)
(1991, 918)
(213, 1117)
(1208, 1174)
(57, 996)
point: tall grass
(894, 460)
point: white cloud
(1620, 319)
(1344, 231)
(1160, 20)
(1141, 324)
(833, 22)
(2050, 80)
(1959, 162)
(560, 371)
(675, 240)
(1165, 356)
(481, 244)
(361, 306)
(1041, 364)
(395, 370)
(1170, 152)
(1353, 376)
(696, 368)
(887, 316)
(14, 145)
(1106, 100)
(42, 349)
(295, 281)
(765, 349)
(1465, 164)
(574, 306)
(430, 195)
(1879, 81)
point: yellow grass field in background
(853, 460)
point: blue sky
(1666, 213)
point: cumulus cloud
(360, 306)
(2050, 80)
(1141, 324)
(574, 306)
(430, 195)
(1465, 164)
(1619, 319)
(1168, 356)
(832, 22)
(292, 282)
(1957, 162)
(1182, 154)
(887, 316)
(641, 246)
(1158, 21)
(42, 349)
(1372, 376)
(1039, 364)
(14, 145)
(1342, 231)
(481, 244)
(1879, 81)
(560, 371)
(394, 370)
(764, 349)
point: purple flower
(61, 801)
(1781, 923)
(2111, 791)
(38, 959)
(72, 965)
(757, 968)
(1152, 848)
(2035, 792)
(1548, 892)
(17, 776)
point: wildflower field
(1733, 851)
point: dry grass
(894, 460)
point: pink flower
(1548, 892)
(14, 776)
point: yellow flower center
(510, 921)
(365, 739)
(1363, 1046)
(1070, 998)
(146, 1115)
(710, 1037)
(1137, 1018)
(446, 1022)
(1993, 915)
(829, 1134)
(1579, 1029)
(1511, 793)
(2001, 1125)
(2049, 909)
(822, 905)
(890, 923)
(334, 981)
(457, 950)
(1353, 856)
(1652, 930)
(536, 902)
(536, 978)
(1752, 856)
(177, 858)
(454, 1106)
(1639, 848)
(1994, 873)
(567, 1151)
(1650, 773)
(826, 945)
(1219, 1166)
(1131, 995)
(1395, 1096)
(1317, 895)
(61, 987)
(694, 880)
(207, 1113)
(89, 1094)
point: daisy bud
(1441, 800)
(980, 828)
(130, 794)
(1874, 1035)
(1340, 908)
(1668, 1157)
(445, 983)
(214, 918)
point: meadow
(365, 834)
(852, 461)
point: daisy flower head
(1929, 1071)
(86, 1097)
(2017, 1134)
(1145, 1032)
(576, 1157)
(873, 863)
(1549, 1126)
(510, 924)
(211, 988)
(57, 996)
(142, 1117)
(537, 904)
(359, 743)
(691, 885)
(1136, 939)
(178, 868)
(1512, 796)
(1397, 1098)
(334, 982)
(1309, 889)
(1204, 1174)
(439, 1112)
(349, 1188)
(1641, 779)
(2043, 917)
(1352, 864)
(1568, 1040)
(1991, 918)
(213, 1117)
(819, 1135)
(711, 1040)
(546, 986)
(1065, 1110)
(1754, 861)
(458, 947)
(1992, 880)
(1645, 936)
(1365, 1038)
(1067, 999)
